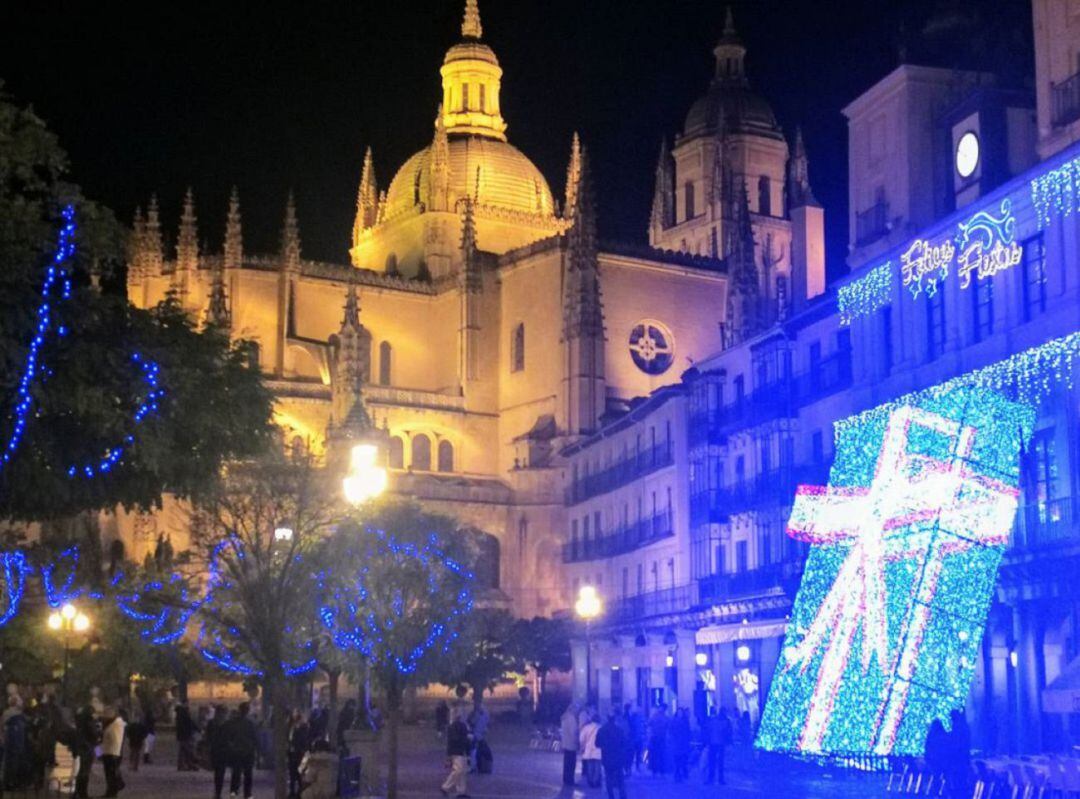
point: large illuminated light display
(864, 296)
(907, 537)
(987, 244)
(1056, 192)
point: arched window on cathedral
(483, 98)
(688, 192)
(421, 453)
(386, 357)
(464, 99)
(446, 456)
(396, 459)
(517, 348)
(764, 195)
(391, 264)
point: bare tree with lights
(257, 537)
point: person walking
(346, 721)
(590, 752)
(958, 746)
(657, 752)
(679, 732)
(84, 741)
(479, 720)
(218, 745)
(299, 741)
(718, 735)
(112, 746)
(186, 730)
(570, 743)
(614, 744)
(458, 745)
(638, 736)
(243, 744)
(136, 740)
(151, 734)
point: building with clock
(475, 319)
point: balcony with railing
(1047, 524)
(771, 489)
(622, 540)
(774, 400)
(717, 588)
(663, 602)
(620, 473)
(1065, 101)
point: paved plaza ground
(524, 773)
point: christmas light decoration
(58, 280)
(864, 296)
(352, 625)
(987, 244)
(15, 570)
(924, 261)
(906, 540)
(68, 563)
(1056, 191)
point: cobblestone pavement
(524, 773)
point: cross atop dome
(470, 26)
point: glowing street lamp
(366, 479)
(588, 606)
(65, 621)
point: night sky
(158, 96)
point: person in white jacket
(590, 752)
(112, 746)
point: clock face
(967, 154)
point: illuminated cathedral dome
(730, 104)
(494, 173)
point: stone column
(578, 661)
(628, 669)
(657, 654)
(602, 660)
(725, 674)
(686, 667)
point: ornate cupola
(471, 77)
(730, 53)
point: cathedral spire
(470, 26)
(573, 176)
(187, 249)
(351, 370)
(187, 241)
(744, 299)
(154, 251)
(439, 186)
(233, 251)
(663, 207)
(799, 191)
(290, 238)
(136, 249)
(367, 198)
(582, 311)
(471, 269)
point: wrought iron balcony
(620, 473)
(624, 539)
(872, 224)
(1049, 523)
(717, 588)
(1065, 102)
(655, 603)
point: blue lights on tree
(55, 289)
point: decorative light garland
(1056, 191)
(864, 296)
(57, 277)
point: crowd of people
(626, 741)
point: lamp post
(366, 479)
(588, 607)
(65, 621)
